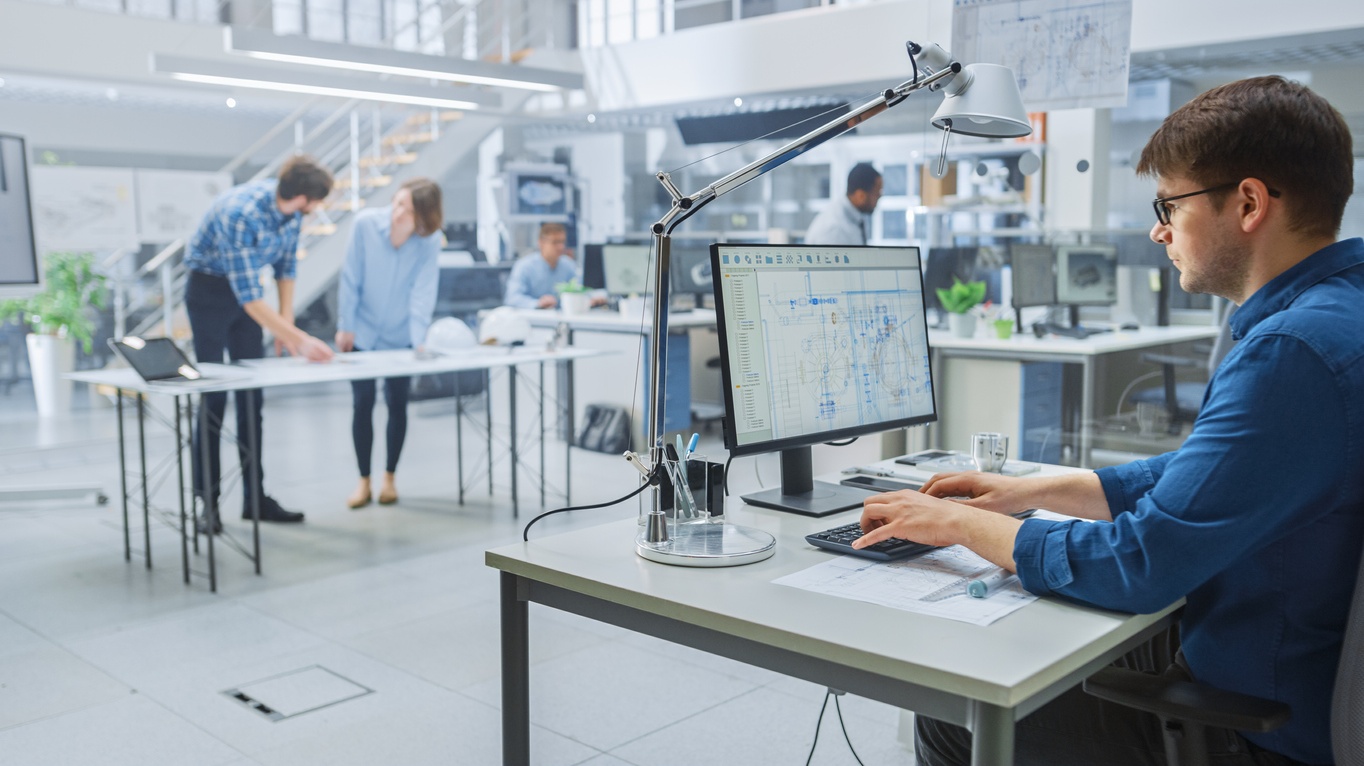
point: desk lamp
(979, 100)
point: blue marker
(982, 587)
(691, 446)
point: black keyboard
(840, 539)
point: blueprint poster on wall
(171, 203)
(83, 208)
(1067, 54)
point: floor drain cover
(296, 692)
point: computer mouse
(1130, 326)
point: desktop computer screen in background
(1086, 275)
(589, 262)
(818, 343)
(1034, 275)
(690, 272)
(944, 265)
(627, 269)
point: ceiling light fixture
(263, 78)
(301, 50)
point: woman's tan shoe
(388, 495)
(360, 497)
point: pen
(691, 446)
(981, 587)
(680, 451)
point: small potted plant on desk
(58, 317)
(573, 297)
(958, 301)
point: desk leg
(146, 500)
(209, 496)
(488, 418)
(180, 482)
(565, 372)
(511, 380)
(123, 479)
(1086, 410)
(253, 446)
(992, 735)
(515, 675)
(542, 434)
(459, 438)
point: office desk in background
(677, 406)
(984, 678)
(977, 405)
(273, 373)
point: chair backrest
(1347, 703)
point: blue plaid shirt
(241, 234)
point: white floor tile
(48, 680)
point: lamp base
(709, 545)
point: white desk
(270, 373)
(1025, 347)
(984, 678)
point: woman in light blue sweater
(387, 295)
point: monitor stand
(800, 493)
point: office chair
(1186, 708)
(1183, 399)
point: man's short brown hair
(304, 175)
(426, 205)
(550, 228)
(1267, 128)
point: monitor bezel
(730, 427)
(38, 284)
(1063, 253)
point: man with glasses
(1258, 519)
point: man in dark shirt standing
(248, 229)
(1258, 519)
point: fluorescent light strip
(321, 90)
(432, 74)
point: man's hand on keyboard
(922, 518)
(1001, 494)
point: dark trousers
(221, 326)
(1076, 729)
(396, 391)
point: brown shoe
(360, 497)
(388, 495)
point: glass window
(288, 17)
(365, 21)
(325, 20)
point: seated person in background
(1258, 519)
(534, 276)
(385, 301)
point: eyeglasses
(1164, 209)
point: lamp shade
(987, 104)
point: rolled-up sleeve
(1180, 518)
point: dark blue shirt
(241, 234)
(1258, 518)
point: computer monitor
(626, 269)
(1033, 269)
(21, 274)
(690, 270)
(1086, 275)
(593, 278)
(946, 264)
(818, 343)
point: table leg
(542, 434)
(511, 381)
(209, 496)
(459, 438)
(488, 418)
(992, 735)
(123, 479)
(515, 675)
(566, 417)
(180, 482)
(146, 500)
(253, 446)
(1086, 410)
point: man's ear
(1253, 204)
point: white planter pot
(962, 325)
(575, 303)
(49, 359)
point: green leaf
(961, 297)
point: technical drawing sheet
(933, 584)
(1067, 54)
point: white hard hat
(448, 335)
(503, 326)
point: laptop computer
(158, 360)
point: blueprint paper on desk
(933, 584)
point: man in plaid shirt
(248, 228)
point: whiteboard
(78, 208)
(1066, 54)
(171, 203)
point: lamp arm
(685, 206)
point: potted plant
(957, 301)
(58, 317)
(573, 297)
